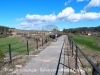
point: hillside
(83, 29)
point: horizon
(34, 14)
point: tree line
(82, 29)
(4, 29)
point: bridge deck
(45, 63)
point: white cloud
(19, 19)
(82, 11)
(81, 0)
(68, 14)
(92, 3)
(66, 3)
(31, 24)
(36, 20)
(91, 16)
(42, 18)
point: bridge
(61, 57)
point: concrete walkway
(45, 63)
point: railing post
(76, 64)
(93, 72)
(63, 62)
(46, 40)
(72, 48)
(69, 64)
(70, 42)
(59, 61)
(10, 52)
(37, 43)
(27, 49)
(42, 41)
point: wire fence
(8, 52)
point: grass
(16, 48)
(88, 41)
(89, 44)
(8, 40)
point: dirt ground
(93, 55)
(20, 59)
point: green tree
(64, 30)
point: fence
(80, 64)
(12, 50)
(75, 48)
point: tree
(10, 31)
(55, 31)
(50, 27)
(64, 30)
(4, 29)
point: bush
(2, 55)
(3, 36)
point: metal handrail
(59, 60)
(96, 69)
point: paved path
(45, 63)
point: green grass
(22, 46)
(8, 40)
(88, 41)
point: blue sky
(34, 14)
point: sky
(34, 14)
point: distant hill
(82, 29)
(5, 29)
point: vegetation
(82, 29)
(1, 55)
(4, 31)
(88, 41)
(14, 46)
(50, 27)
(9, 40)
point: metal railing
(77, 54)
(76, 50)
(59, 60)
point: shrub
(2, 55)
(3, 36)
